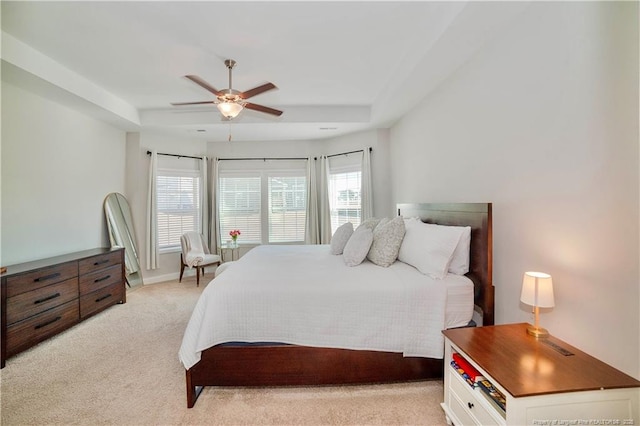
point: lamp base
(537, 332)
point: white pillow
(408, 221)
(460, 260)
(358, 246)
(429, 248)
(340, 238)
(387, 238)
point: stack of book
(473, 377)
(494, 394)
(466, 370)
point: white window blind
(344, 198)
(240, 207)
(266, 201)
(287, 208)
(179, 200)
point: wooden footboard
(290, 365)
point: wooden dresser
(44, 297)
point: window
(287, 208)
(268, 206)
(179, 200)
(240, 207)
(344, 198)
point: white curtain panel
(323, 195)
(365, 183)
(204, 207)
(152, 218)
(312, 234)
(214, 228)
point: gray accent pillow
(340, 238)
(387, 239)
(370, 223)
(358, 246)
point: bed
(328, 338)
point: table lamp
(537, 291)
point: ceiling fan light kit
(231, 102)
(230, 109)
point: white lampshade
(537, 290)
(230, 109)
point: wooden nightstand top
(527, 366)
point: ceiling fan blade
(257, 90)
(200, 82)
(192, 103)
(262, 108)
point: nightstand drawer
(460, 411)
(470, 400)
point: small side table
(542, 381)
(230, 249)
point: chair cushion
(209, 259)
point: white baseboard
(188, 272)
(161, 278)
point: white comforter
(304, 295)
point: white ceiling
(339, 66)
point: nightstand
(229, 250)
(543, 381)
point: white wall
(543, 122)
(57, 167)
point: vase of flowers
(234, 236)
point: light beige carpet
(121, 368)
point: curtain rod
(264, 159)
(177, 155)
(350, 152)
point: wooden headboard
(478, 217)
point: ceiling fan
(231, 102)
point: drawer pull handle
(470, 404)
(100, 262)
(100, 299)
(44, 324)
(102, 279)
(47, 277)
(53, 296)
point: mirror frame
(121, 234)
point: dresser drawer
(469, 399)
(29, 281)
(100, 299)
(30, 331)
(36, 301)
(96, 263)
(100, 279)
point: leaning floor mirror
(121, 234)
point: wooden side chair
(196, 254)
